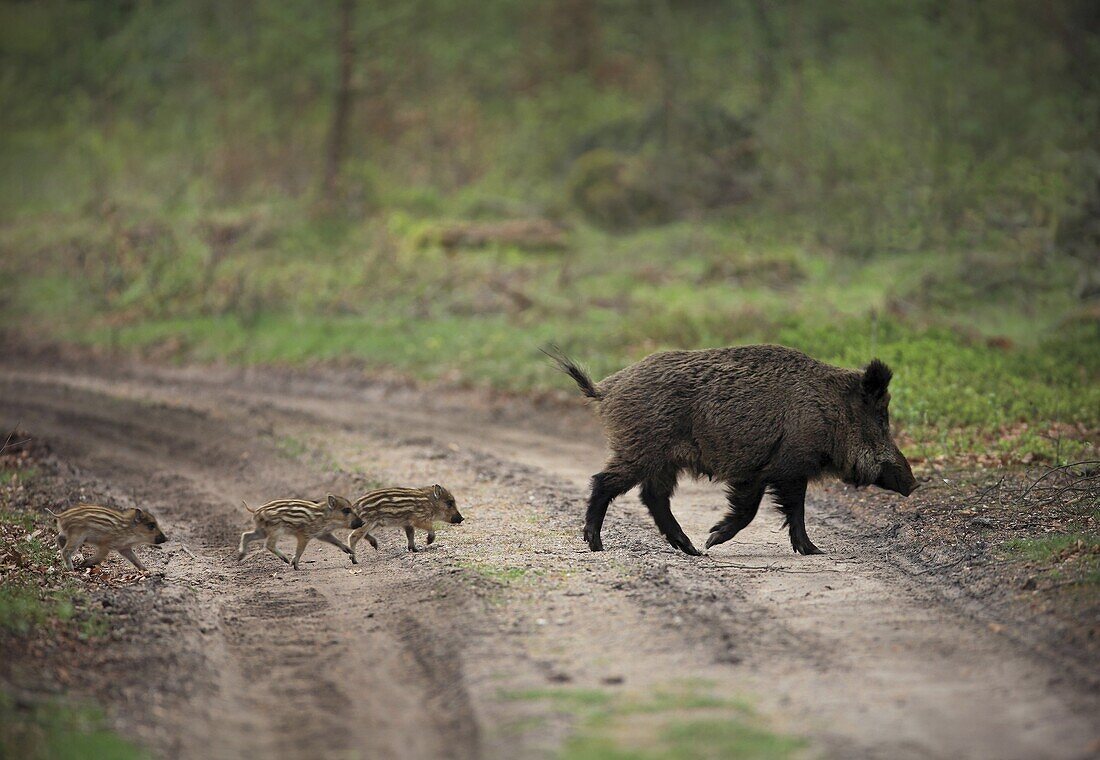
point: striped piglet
(304, 520)
(105, 529)
(409, 508)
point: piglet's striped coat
(408, 508)
(302, 519)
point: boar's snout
(897, 477)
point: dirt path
(450, 652)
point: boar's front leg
(656, 493)
(790, 497)
(744, 501)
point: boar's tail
(569, 367)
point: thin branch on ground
(761, 568)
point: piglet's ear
(437, 491)
(139, 516)
(876, 380)
(332, 503)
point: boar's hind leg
(656, 493)
(606, 486)
(744, 500)
(791, 500)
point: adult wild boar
(759, 418)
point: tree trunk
(341, 112)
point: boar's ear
(876, 380)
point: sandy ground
(445, 653)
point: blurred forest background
(439, 187)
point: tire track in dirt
(842, 648)
(274, 651)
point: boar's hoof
(595, 543)
(683, 543)
(806, 546)
(717, 537)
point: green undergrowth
(992, 354)
(684, 720)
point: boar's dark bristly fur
(760, 418)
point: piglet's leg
(431, 535)
(69, 546)
(101, 553)
(128, 553)
(248, 537)
(328, 538)
(410, 533)
(361, 533)
(271, 547)
(302, 541)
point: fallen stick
(762, 568)
(941, 567)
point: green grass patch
(291, 448)
(501, 574)
(1050, 548)
(25, 608)
(1070, 558)
(682, 721)
(54, 731)
(571, 700)
(9, 477)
